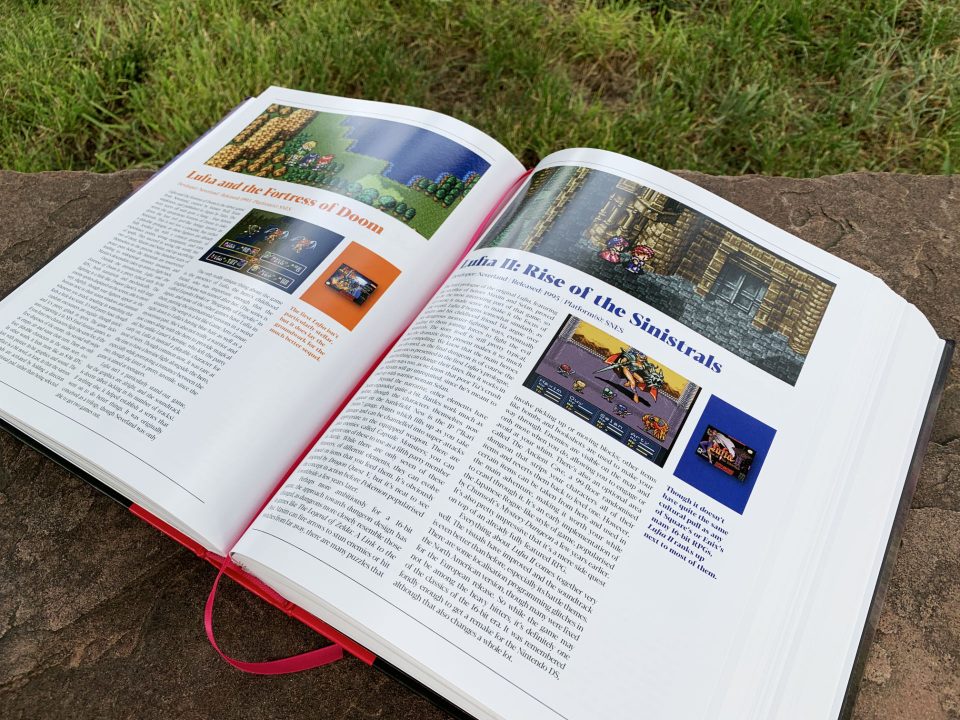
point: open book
(635, 452)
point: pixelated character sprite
(656, 426)
(302, 243)
(621, 410)
(579, 386)
(607, 394)
(615, 250)
(636, 369)
(301, 153)
(275, 235)
(639, 256)
(564, 369)
(323, 161)
(309, 160)
(249, 232)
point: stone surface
(100, 615)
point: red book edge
(248, 581)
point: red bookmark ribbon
(330, 653)
(305, 661)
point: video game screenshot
(745, 297)
(410, 173)
(615, 387)
(278, 250)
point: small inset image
(618, 389)
(275, 249)
(356, 281)
(724, 455)
(352, 283)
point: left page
(187, 348)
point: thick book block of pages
(591, 442)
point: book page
(190, 346)
(628, 417)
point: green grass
(801, 87)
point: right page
(640, 455)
